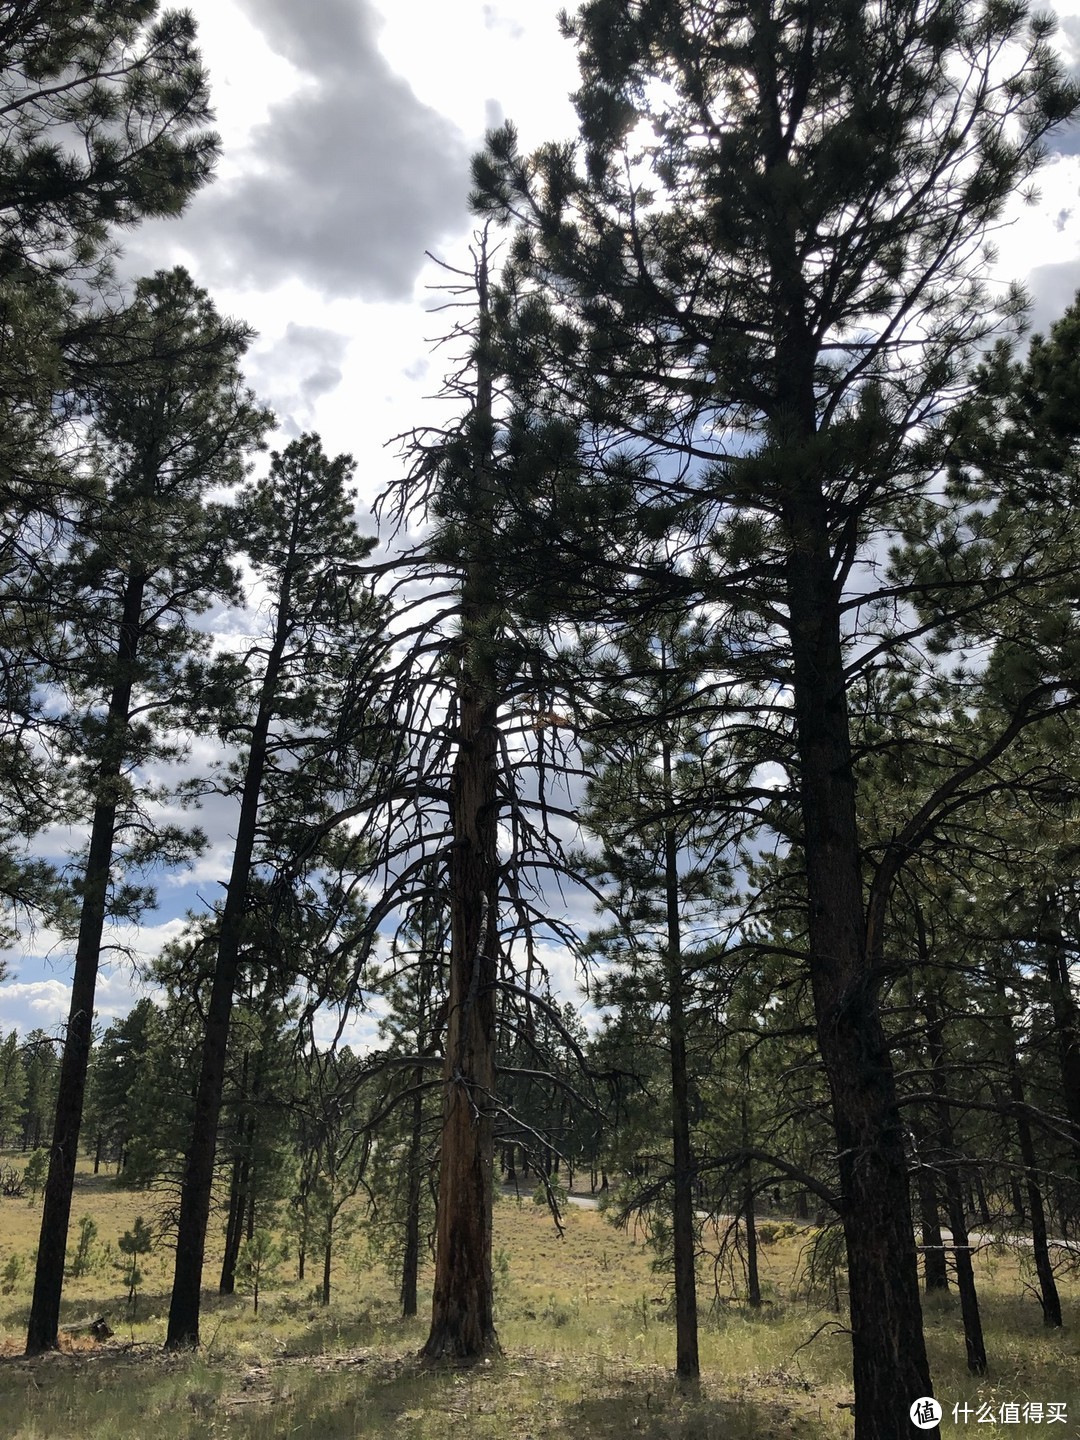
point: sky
(347, 128)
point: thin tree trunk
(753, 1284)
(984, 1202)
(684, 1238)
(42, 1332)
(227, 1283)
(250, 1198)
(327, 1256)
(954, 1194)
(974, 1343)
(198, 1180)
(935, 1268)
(1064, 1009)
(239, 1207)
(237, 1192)
(410, 1265)
(1048, 1291)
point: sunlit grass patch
(584, 1322)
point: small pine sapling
(37, 1168)
(12, 1273)
(259, 1258)
(85, 1258)
(132, 1244)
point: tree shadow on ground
(339, 1394)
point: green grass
(587, 1350)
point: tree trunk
(410, 1264)
(1063, 1007)
(984, 1202)
(683, 1233)
(227, 1283)
(888, 1351)
(1048, 1291)
(462, 1322)
(974, 1343)
(198, 1179)
(328, 1248)
(753, 1284)
(237, 1193)
(954, 1192)
(56, 1215)
(234, 1229)
(935, 1269)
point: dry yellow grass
(582, 1320)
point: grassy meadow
(587, 1347)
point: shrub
(12, 1273)
(37, 1168)
(85, 1258)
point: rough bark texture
(888, 1352)
(56, 1215)
(462, 1320)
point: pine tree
(151, 552)
(769, 341)
(103, 121)
(665, 876)
(308, 724)
(462, 1321)
(41, 1066)
(105, 110)
(402, 1174)
(12, 1089)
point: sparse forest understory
(719, 644)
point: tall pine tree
(759, 272)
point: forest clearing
(584, 1325)
(655, 768)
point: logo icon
(925, 1413)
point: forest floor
(586, 1339)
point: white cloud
(44, 1004)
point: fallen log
(99, 1328)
